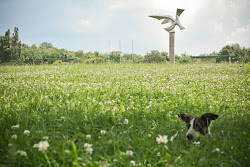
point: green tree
(1, 48)
(127, 57)
(185, 58)
(15, 45)
(233, 49)
(115, 56)
(138, 58)
(165, 54)
(5, 48)
(154, 57)
(46, 45)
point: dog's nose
(189, 137)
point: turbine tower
(170, 29)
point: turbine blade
(179, 11)
(167, 20)
(159, 17)
(179, 23)
(170, 28)
(181, 27)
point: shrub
(60, 62)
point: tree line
(10, 47)
(12, 51)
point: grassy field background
(111, 114)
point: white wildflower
(197, 143)
(158, 154)
(216, 150)
(15, 127)
(87, 145)
(129, 153)
(88, 148)
(88, 136)
(125, 121)
(10, 145)
(42, 146)
(22, 153)
(132, 163)
(14, 137)
(162, 139)
(103, 132)
(149, 135)
(27, 132)
(62, 118)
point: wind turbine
(170, 29)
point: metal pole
(171, 48)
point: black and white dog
(198, 124)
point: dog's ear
(186, 117)
(208, 117)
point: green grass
(66, 103)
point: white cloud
(83, 25)
(241, 35)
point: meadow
(112, 114)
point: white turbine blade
(167, 20)
(169, 29)
(179, 11)
(168, 17)
(179, 23)
(159, 17)
(181, 27)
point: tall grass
(121, 110)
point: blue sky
(88, 25)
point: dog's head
(198, 124)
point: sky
(89, 25)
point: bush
(60, 62)
(184, 58)
(154, 57)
